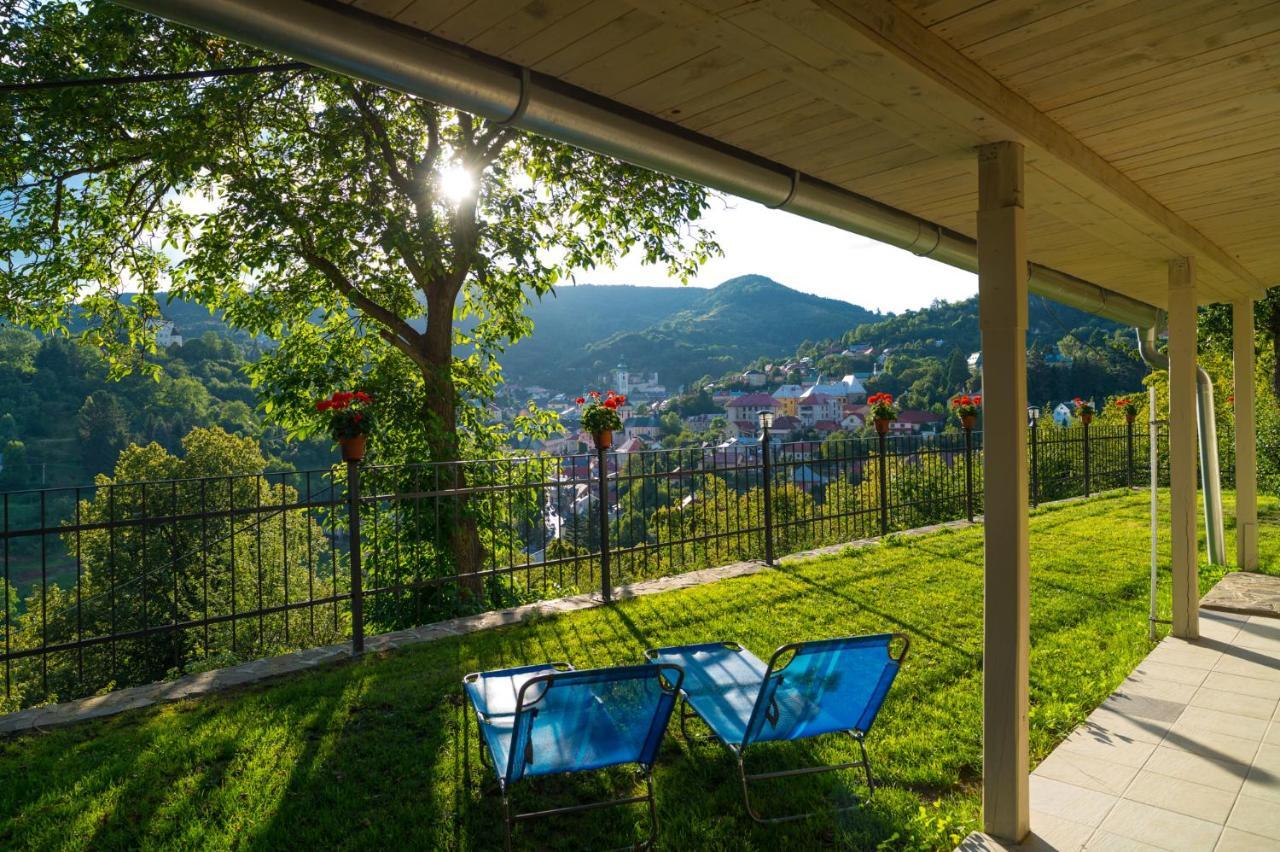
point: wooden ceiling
(1152, 126)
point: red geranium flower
(580, 400)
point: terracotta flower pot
(882, 425)
(1086, 419)
(1129, 418)
(353, 448)
(603, 440)
(968, 421)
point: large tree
(1216, 324)
(381, 240)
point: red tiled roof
(827, 426)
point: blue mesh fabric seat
(550, 718)
(806, 690)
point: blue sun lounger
(546, 719)
(806, 690)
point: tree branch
(394, 324)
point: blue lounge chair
(806, 690)
(546, 719)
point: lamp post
(766, 423)
(1033, 417)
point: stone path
(1245, 593)
(1184, 756)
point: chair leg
(648, 798)
(506, 821)
(746, 780)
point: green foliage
(140, 575)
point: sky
(806, 256)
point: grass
(376, 755)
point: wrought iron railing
(124, 583)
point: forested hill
(956, 325)
(682, 333)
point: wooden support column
(1182, 447)
(1246, 438)
(1002, 301)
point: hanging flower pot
(350, 419)
(966, 408)
(1128, 408)
(600, 416)
(1084, 411)
(353, 448)
(883, 411)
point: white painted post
(1246, 439)
(1182, 447)
(1002, 299)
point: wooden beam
(1246, 438)
(895, 31)
(1182, 447)
(1002, 309)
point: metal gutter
(356, 44)
(1210, 473)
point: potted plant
(600, 416)
(883, 411)
(1127, 406)
(1084, 411)
(966, 408)
(350, 419)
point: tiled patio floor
(1184, 756)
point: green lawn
(376, 755)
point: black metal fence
(118, 584)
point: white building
(166, 336)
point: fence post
(767, 474)
(968, 472)
(1035, 461)
(884, 486)
(357, 581)
(1128, 449)
(1087, 484)
(606, 582)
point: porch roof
(1149, 127)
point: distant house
(642, 426)
(916, 422)
(975, 361)
(845, 389)
(754, 378)
(1064, 413)
(784, 426)
(826, 427)
(852, 422)
(748, 406)
(788, 396)
(816, 406)
(630, 445)
(166, 335)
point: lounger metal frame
(688, 711)
(509, 819)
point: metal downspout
(359, 45)
(1210, 474)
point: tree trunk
(463, 536)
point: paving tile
(1051, 833)
(1214, 744)
(1256, 816)
(1069, 802)
(1272, 736)
(1183, 653)
(1110, 720)
(1262, 783)
(1242, 685)
(1232, 702)
(1147, 707)
(1116, 750)
(1235, 840)
(1105, 841)
(1088, 772)
(1176, 763)
(1148, 686)
(1182, 796)
(1161, 828)
(1246, 727)
(1267, 759)
(1171, 672)
(1248, 666)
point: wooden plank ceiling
(1152, 126)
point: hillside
(681, 333)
